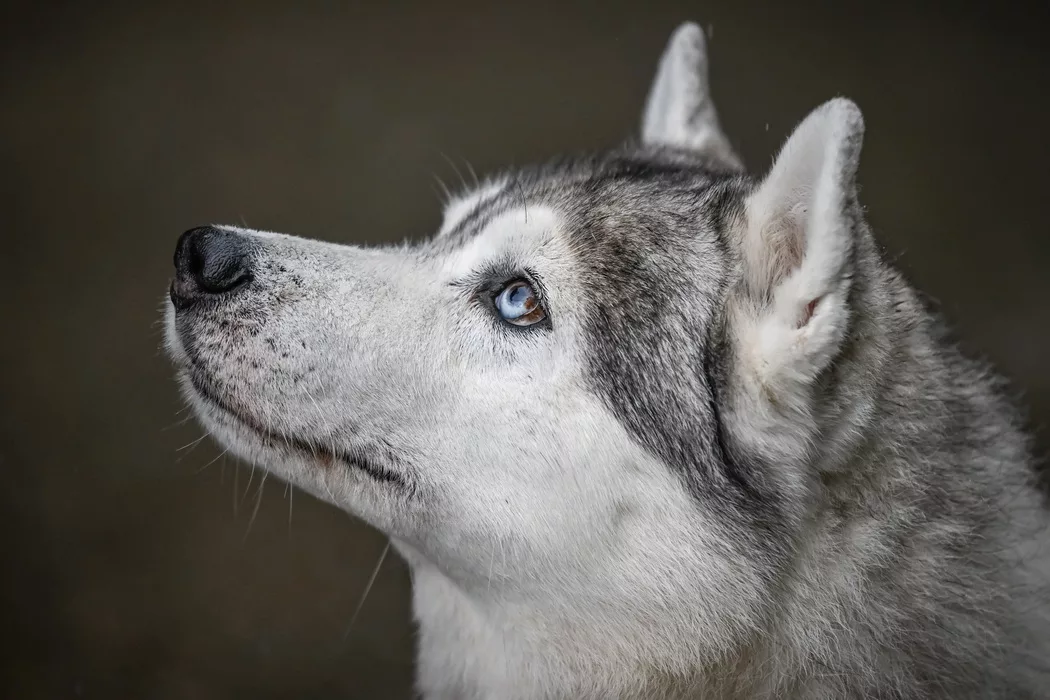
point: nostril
(210, 260)
(219, 266)
(195, 264)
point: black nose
(208, 260)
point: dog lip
(326, 456)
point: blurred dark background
(135, 569)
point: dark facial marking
(653, 257)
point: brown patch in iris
(534, 313)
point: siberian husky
(644, 426)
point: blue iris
(515, 301)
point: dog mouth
(365, 461)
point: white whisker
(462, 182)
(291, 494)
(473, 174)
(258, 502)
(213, 460)
(368, 588)
(189, 447)
(176, 424)
(251, 476)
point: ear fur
(792, 310)
(679, 111)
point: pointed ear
(797, 250)
(679, 111)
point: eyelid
(536, 282)
(481, 288)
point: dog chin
(291, 464)
(248, 439)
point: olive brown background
(135, 569)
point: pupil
(519, 294)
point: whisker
(442, 200)
(250, 477)
(524, 204)
(320, 413)
(213, 461)
(462, 182)
(258, 502)
(189, 447)
(474, 175)
(324, 483)
(289, 492)
(328, 433)
(176, 424)
(193, 444)
(446, 195)
(368, 588)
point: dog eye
(519, 305)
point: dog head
(592, 393)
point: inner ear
(807, 313)
(798, 234)
(780, 242)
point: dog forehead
(462, 206)
(610, 211)
(514, 235)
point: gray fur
(741, 459)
